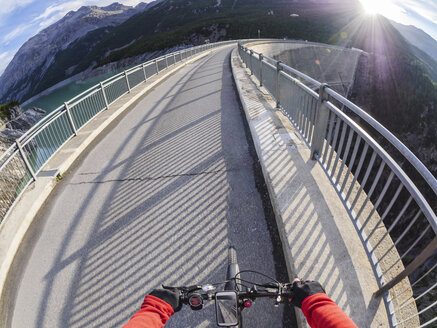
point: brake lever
(183, 288)
(287, 291)
(270, 285)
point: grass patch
(5, 108)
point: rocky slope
(19, 123)
(396, 88)
(160, 25)
(418, 38)
(34, 58)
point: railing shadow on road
(26, 158)
(146, 207)
(316, 244)
(197, 86)
(399, 231)
(115, 261)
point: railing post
(321, 122)
(104, 95)
(144, 72)
(251, 65)
(166, 61)
(127, 81)
(418, 261)
(278, 74)
(70, 119)
(156, 64)
(261, 57)
(174, 58)
(26, 161)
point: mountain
(423, 46)
(418, 38)
(69, 50)
(35, 57)
(394, 81)
(394, 85)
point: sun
(371, 7)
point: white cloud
(424, 8)
(54, 13)
(5, 59)
(19, 30)
(8, 6)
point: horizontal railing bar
(415, 242)
(408, 227)
(418, 165)
(34, 133)
(419, 313)
(408, 184)
(111, 79)
(7, 151)
(87, 96)
(381, 129)
(15, 202)
(289, 69)
(83, 93)
(15, 152)
(426, 292)
(50, 134)
(428, 322)
(429, 249)
(330, 152)
(428, 272)
(430, 215)
(44, 121)
(300, 74)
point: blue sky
(22, 19)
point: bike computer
(226, 308)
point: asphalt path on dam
(157, 200)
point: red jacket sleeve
(322, 312)
(154, 313)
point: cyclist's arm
(154, 313)
(322, 312)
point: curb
(319, 240)
(300, 318)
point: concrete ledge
(21, 217)
(319, 240)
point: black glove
(171, 297)
(303, 289)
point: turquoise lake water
(55, 98)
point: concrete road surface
(157, 200)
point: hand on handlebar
(303, 289)
(172, 297)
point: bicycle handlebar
(281, 292)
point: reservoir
(49, 100)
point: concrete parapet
(319, 239)
(325, 63)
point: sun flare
(371, 7)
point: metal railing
(20, 164)
(374, 189)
